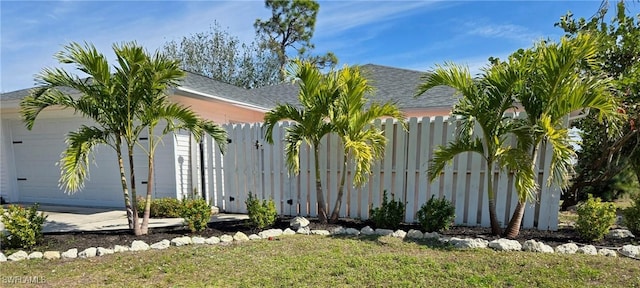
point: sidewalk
(68, 218)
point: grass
(310, 261)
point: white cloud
(506, 31)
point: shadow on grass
(432, 243)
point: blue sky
(413, 35)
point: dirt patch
(83, 240)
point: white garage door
(37, 153)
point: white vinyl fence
(250, 164)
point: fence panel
(250, 164)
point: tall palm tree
(117, 102)
(353, 124)
(555, 86)
(163, 73)
(483, 104)
(317, 93)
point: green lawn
(316, 261)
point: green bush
(23, 226)
(263, 213)
(631, 216)
(389, 215)
(196, 213)
(437, 214)
(594, 218)
(161, 207)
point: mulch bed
(82, 240)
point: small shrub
(263, 213)
(161, 207)
(196, 213)
(594, 218)
(389, 215)
(631, 216)
(437, 214)
(23, 226)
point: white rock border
(501, 244)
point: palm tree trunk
(513, 229)
(144, 228)
(336, 208)
(123, 181)
(322, 206)
(493, 216)
(136, 227)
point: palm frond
(74, 164)
(444, 154)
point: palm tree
(162, 74)
(317, 94)
(353, 124)
(120, 104)
(555, 87)
(483, 105)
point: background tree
(603, 160)
(353, 123)
(120, 103)
(482, 106)
(291, 25)
(317, 93)
(221, 56)
(553, 88)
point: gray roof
(390, 84)
(217, 88)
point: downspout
(202, 170)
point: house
(28, 162)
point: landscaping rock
(35, 255)
(352, 232)
(630, 250)
(164, 244)
(18, 256)
(138, 245)
(239, 237)
(367, 231)
(568, 248)
(119, 249)
(197, 240)
(88, 253)
(535, 246)
(270, 233)
(254, 237)
(320, 232)
(399, 234)
(226, 239)
(298, 222)
(415, 234)
(588, 250)
(51, 255)
(468, 243)
(70, 254)
(181, 241)
(288, 231)
(607, 252)
(503, 244)
(101, 251)
(620, 234)
(2, 257)
(303, 230)
(432, 235)
(338, 231)
(384, 232)
(212, 240)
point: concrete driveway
(68, 218)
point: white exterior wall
(34, 174)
